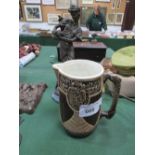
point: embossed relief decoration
(79, 92)
(76, 97)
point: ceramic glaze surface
(80, 69)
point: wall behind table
(52, 8)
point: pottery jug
(80, 85)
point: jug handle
(115, 94)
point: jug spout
(56, 68)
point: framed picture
(113, 4)
(118, 4)
(52, 18)
(87, 1)
(20, 12)
(33, 1)
(33, 13)
(67, 15)
(111, 17)
(119, 18)
(48, 2)
(115, 18)
(87, 11)
(62, 4)
(74, 2)
(103, 0)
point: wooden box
(87, 50)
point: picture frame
(113, 4)
(48, 2)
(118, 4)
(87, 1)
(62, 4)
(119, 18)
(106, 1)
(33, 1)
(111, 18)
(20, 12)
(115, 18)
(74, 2)
(33, 13)
(52, 18)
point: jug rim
(98, 66)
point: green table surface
(114, 43)
(43, 134)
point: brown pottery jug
(80, 84)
